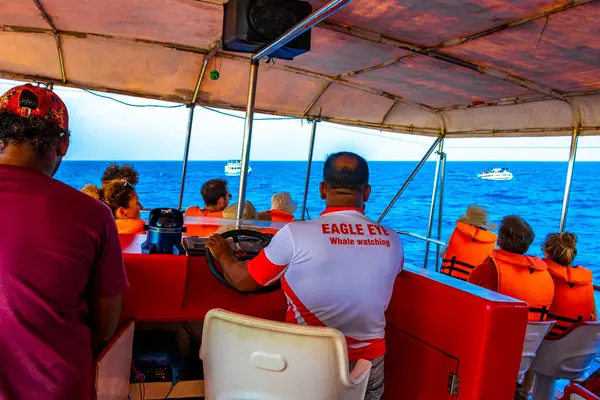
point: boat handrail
(417, 236)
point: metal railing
(424, 238)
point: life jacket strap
(565, 319)
(542, 311)
(559, 329)
(450, 266)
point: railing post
(433, 198)
(440, 212)
(186, 154)
(192, 105)
(311, 148)
(409, 179)
(567, 194)
(247, 139)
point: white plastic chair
(536, 331)
(565, 358)
(575, 392)
(251, 358)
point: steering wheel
(241, 254)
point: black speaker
(249, 25)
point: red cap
(49, 107)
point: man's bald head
(346, 172)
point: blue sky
(103, 129)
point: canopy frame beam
(57, 38)
(316, 98)
(430, 52)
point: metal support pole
(247, 139)
(311, 148)
(324, 12)
(186, 154)
(188, 138)
(433, 198)
(572, 154)
(409, 179)
(440, 212)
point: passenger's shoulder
(78, 202)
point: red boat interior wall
(436, 325)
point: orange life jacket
(573, 297)
(281, 216)
(525, 278)
(130, 226)
(202, 230)
(468, 247)
(195, 211)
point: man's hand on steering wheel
(233, 270)
(219, 248)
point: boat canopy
(468, 68)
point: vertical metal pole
(247, 138)
(572, 154)
(409, 179)
(311, 148)
(440, 212)
(433, 197)
(186, 154)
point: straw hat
(283, 201)
(231, 211)
(478, 217)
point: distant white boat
(496, 174)
(234, 168)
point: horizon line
(304, 161)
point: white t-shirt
(338, 271)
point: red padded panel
(425, 366)
(484, 331)
(181, 288)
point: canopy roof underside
(466, 67)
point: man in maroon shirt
(61, 267)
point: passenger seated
(573, 288)
(120, 196)
(471, 243)
(282, 208)
(216, 196)
(114, 172)
(510, 272)
(231, 213)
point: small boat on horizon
(234, 168)
(496, 174)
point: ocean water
(535, 194)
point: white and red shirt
(338, 271)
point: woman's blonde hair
(560, 248)
(114, 194)
(91, 190)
